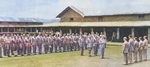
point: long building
(120, 25)
(74, 21)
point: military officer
(1, 40)
(136, 47)
(28, 44)
(125, 50)
(140, 48)
(89, 42)
(46, 46)
(68, 41)
(51, 42)
(64, 42)
(7, 41)
(21, 45)
(56, 42)
(145, 43)
(34, 43)
(81, 43)
(39, 43)
(131, 48)
(102, 42)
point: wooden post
(70, 30)
(92, 30)
(14, 29)
(1, 29)
(104, 31)
(31, 29)
(132, 32)
(148, 34)
(80, 30)
(118, 33)
(8, 29)
(60, 31)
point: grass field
(113, 58)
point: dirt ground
(113, 58)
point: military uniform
(140, 50)
(39, 43)
(46, 46)
(21, 46)
(81, 43)
(89, 42)
(7, 45)
(63, 43)
(131, 49)
(125, 51)
(102, 46)
(34, 44)
(145, 43)
(76, 45)
(95, 46)
(51, 42)
(28, 45)
(136, 47)
(56, 43)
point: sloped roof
(99, 24)
(68, 8)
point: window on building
(100, 18)
(71, 19)
(141, 17)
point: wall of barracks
(66, 17)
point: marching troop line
(15, 44)
(136, 48)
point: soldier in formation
(133, 48)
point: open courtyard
(113, 58)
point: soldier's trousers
(60, 47)
(71, 46)
(135, 56)
(55, 47)
(20, 51)
(40, 48)
(7, 47)
(145, 54)
(29, 50)
(34, 49)
(68, 46)
(64, 47)
(75, 46)
(4, 50)
(140, 55)
(25, 49)
(0, 52)
(51, 48)
(46, 47)
(90, 49)
(86, 46)
(82, 49)
(11, 48)
(102, 49)
(126, 58)
(130, 57)
(95, 49)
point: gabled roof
(68, 8)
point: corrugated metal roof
(12, 19)
(20, 25)
(99, 24)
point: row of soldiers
(25, 44)
(135, 47)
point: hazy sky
(49, 9)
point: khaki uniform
(145, 44)
(125, 51)
(140, 50)
(136, 47)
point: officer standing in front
(125, 50)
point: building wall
(78, 18)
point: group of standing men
(15, 44)
(136, 47)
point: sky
(49, 9)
